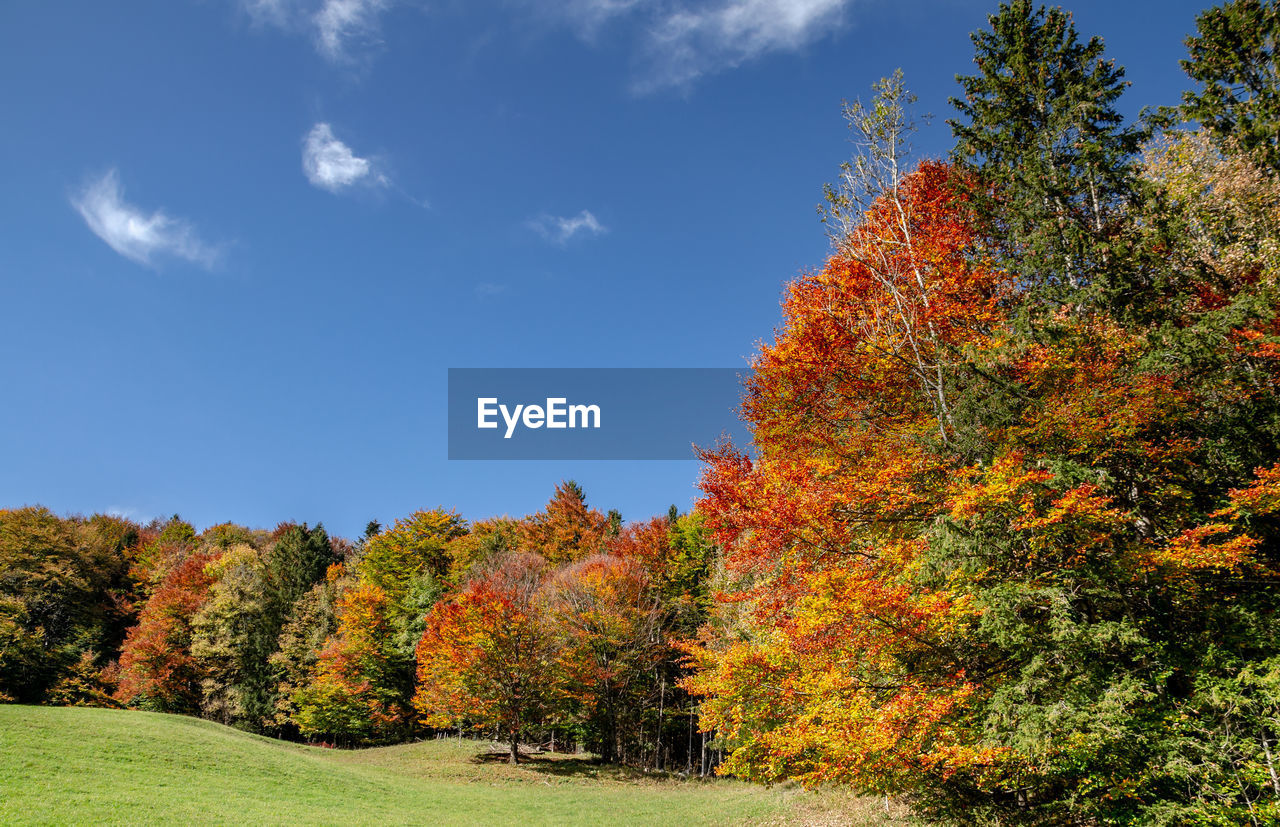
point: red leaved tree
(487, 656)
(157, 670)
(835, 664)
(609, 623)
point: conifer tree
(1233, 58)
(1053, 158)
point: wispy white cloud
(338, 22)
(340, 28)
(560, 229)
(690, 42)
(134, 234)
(683, 40)
(272, 12)
(586, 17)
(331, 165)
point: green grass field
(72, 765)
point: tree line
(558, 629)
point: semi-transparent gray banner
(592, 413)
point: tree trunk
(1271, 763)
(515, 749)
(657, 749)
(689, 749)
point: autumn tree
(881, 132)
(841, 668)
(484, 542)
(608, 622)
(225, 642)
(166, 544)
(157, 669)
(255, 590)
(356, 691)
(85, 683)
(410, 562)
(1040, 602)
(313, 620)
(65, 590)
(486, 656)
(413, 549)
(566, 529)
(677, 555)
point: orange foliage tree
(609, 625)
(566, 529)
(844, 668)
(990, 556)
(356, 693)
(157, 670)
(487, 655)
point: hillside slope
(61, 765)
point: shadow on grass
(567, 765)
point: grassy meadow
(79, 765)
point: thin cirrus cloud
(690, 44)
(340, 28)
(688, 40)
(587, 17)
(331, 165)
(561, 229)
(133, 233)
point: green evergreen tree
(1233, 58)
(313, 620)
(1053, 158)
(238, 631)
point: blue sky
(241, 241)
